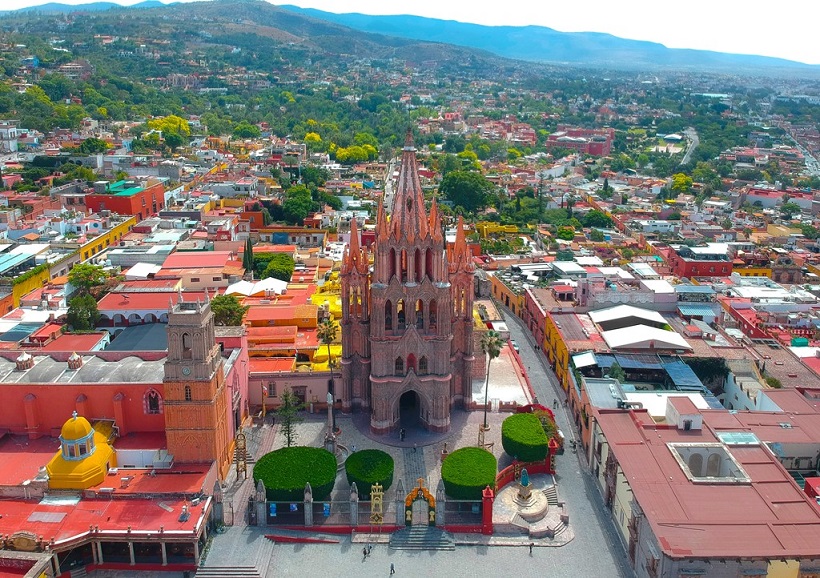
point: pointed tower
(355, 281)
(410, 372)
(461, 275)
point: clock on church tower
(196, 418)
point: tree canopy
(228, 310)
(466, 189)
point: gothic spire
(355, 257)
(382, 232)
(408, 218)
(459, 257)
(435, 222)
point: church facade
(407, 324)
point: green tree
(83, 313)
(247, 256)
(617, 372)
(228, 310)
(565, 233)
(288, 415)
(596, 235)
(491, 347)
(86, 277)
(173, 140)
(596, 218)
(279, 267)
(326, 331)
(466, 189)
(297, 204)
(789, 209)
(246, 130)
(92, 146)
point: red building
(711, 260)
(596, 142)
(127, 198)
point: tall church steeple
(408, 219)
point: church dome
(76, 428)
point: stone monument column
(308, 505)
(261, 505)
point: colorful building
(127, 198)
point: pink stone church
(407, 325)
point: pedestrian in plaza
(392, 569)
(369, 549)
(364, 554)
(565, 403)
(554, 404)
(414, 447)
(531, 545)
(401, 434)
(353, 449)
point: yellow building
(506, 295)
(556, 350)
(107, 238)
(487, 228)
(84, 458)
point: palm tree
(326, 331)
(491, 346)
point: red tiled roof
(137, 301)
(768, 517)
(197, 259)
(271, 364)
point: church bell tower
(196, 409)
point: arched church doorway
(409, 410)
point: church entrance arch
(419, 515)
(409, 410)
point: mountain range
(528, 43)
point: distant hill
(541, 44)
(56, 7)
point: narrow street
(592, 525)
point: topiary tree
(369, 467)
(286, 471)
(467, 471)
(523, 437)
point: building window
(399, 366)
(152, 403)
(188, 396)
(423, 365)
(186, 346)
(194, 279)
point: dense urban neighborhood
(271, 288)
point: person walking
(369, 549)
(554, 404)
(364, 554)
(415, 448)
(531, 545)
(392, 569)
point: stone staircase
(233, 572)
(551, 492)
(421, 538)
(259, 570)
(79, 572)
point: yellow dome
(75, 428)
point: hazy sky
(722, 25)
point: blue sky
(722, 25)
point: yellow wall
(29, 285)
(557, 351)
(783, 569)
(753, 271)
(506, 296)
(487, 228)
(110, 238)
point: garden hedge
(286, 471)
(523, 437)
(467, 471)
(368, 467)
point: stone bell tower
(196, 415)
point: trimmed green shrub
(467, 471)
(286, 471)
(369, 467)
(523, 437)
